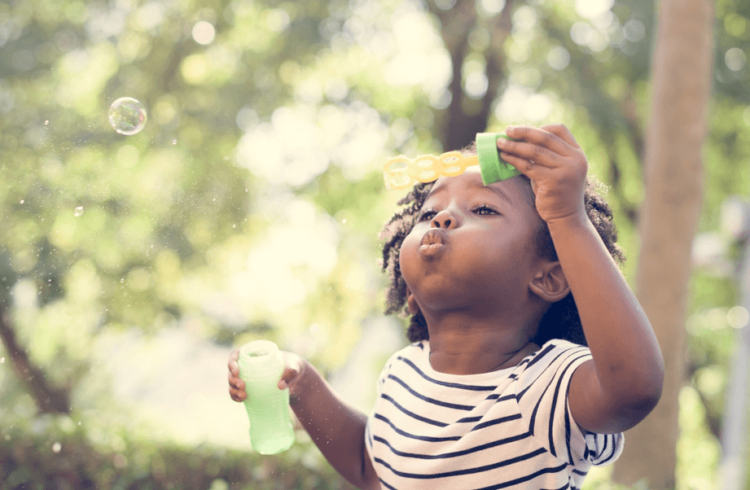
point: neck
(458, 346)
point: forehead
(511, 190)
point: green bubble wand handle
(261, 365)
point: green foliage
(57, 459)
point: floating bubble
(78, 212)
(56, 447)
(174, 142)
(127, 116)
(21, 201)
(2, 360)
(46, 123)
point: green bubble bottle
(271, 429)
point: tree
(669, 218)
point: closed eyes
(485, 209)
(481, 210)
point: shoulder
(554, 351)
(410, 353)
(553, 359)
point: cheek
(407, 254)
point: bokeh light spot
(558, 58)
(204, 33)
(738, 317)
(735, 59)
(589, 9)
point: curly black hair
(561, 321)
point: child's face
(472, 247)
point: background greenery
(250, 203)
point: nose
(445, 219)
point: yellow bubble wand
(402, 172)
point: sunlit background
(248, 206)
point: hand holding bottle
(337, 428)
(288, 379)
(259, 375)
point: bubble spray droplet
(174, 142)
(46, 123)
(78, 212)
(127, 116)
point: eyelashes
(426, 215)
(481, 210)
(486, 209)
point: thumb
(291, 372)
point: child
(505, 285)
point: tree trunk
(682, 69)
(464, 118)
(47, 398)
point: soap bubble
(78, 212)
(127, 116)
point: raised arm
(623, 383)
(336, 428)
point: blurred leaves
(53, 453)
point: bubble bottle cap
(493, 168)
(402, 172)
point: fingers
(236, 382)
(232, 364)
(236, 388)
(563, 132)
(237, 395)
(236, 385)
(290, 374)
(536, 145)
(526, 167)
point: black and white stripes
(505, 429)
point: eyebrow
(498, 191)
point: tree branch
(47, 398)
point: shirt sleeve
(542, 394)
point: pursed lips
(432, 243)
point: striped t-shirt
(503, 429)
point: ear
(412, 302)
(549, 282)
